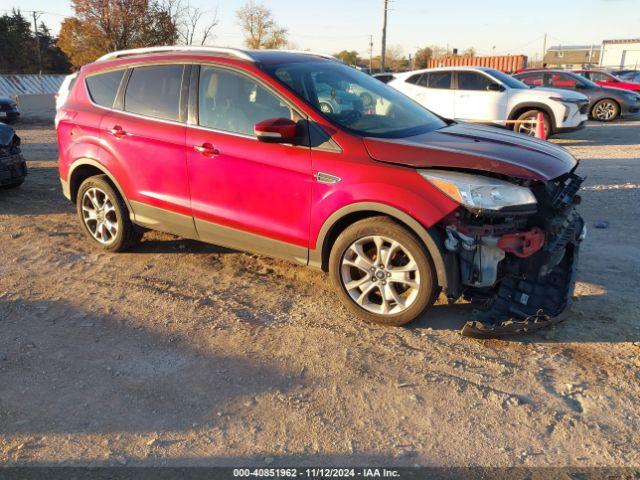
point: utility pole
(35, 28)
(384, 35)
(370, 54)
(544, 48)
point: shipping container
(505, 63)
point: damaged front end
(13, 168)
(515, 263)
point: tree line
(21, 51)
(101, 26)
(396, 60)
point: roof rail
(177, 48)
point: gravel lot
(180, 353)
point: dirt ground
(180, 353)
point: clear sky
(489, 26)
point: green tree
(19, 47)
(348, 57)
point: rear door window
(154, 91)
(473, 81)
(414, 79)
(441, 80)
(103, 87)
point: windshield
(507, 80)
(354, 100)
(584, 81)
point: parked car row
(238, 148)
(477, 94)
(605, 103)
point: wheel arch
(83, 168)
(520, 108)
(341, 219)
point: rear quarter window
(103, 87)
(154, 91)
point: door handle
(207, 149)
(118, 132)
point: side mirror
(579, 86)
(494, 87)
(277, 130)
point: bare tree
(469, 52)
(190, 19)
(395, 59)
(261, 31)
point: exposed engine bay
(516, 266)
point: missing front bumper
(525, 305)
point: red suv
(232, 147)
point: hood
(476, 147)
(6, 135)
(554, 92)
(619, 91)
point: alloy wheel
(380, 275)
(99, 215)
(605, 110)
(528, 126)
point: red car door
(246, 193)
(145, 136)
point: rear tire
(530, 128)
(104, 216)
(605, 110)
(382, 272)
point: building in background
(621, 54)
(573, 56)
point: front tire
(104, 215)
(605, 110)
(530, 118)
(382, 272)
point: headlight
(477, 192)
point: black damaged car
(9, 112)
(13, 168)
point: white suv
(486, 95)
